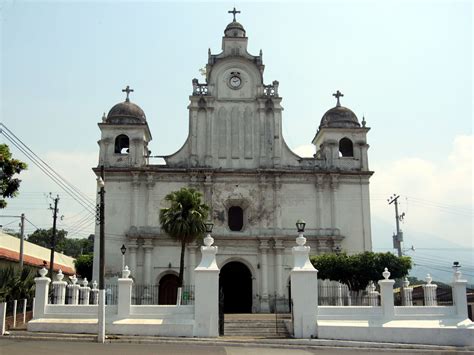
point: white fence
(79, 314)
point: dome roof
(339, 117)
(126, 113)
(234, 29)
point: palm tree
(184, 219)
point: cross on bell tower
(234, 11)
(128, 91)
(337, 95)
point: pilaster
(264, 304)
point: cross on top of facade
(337, 95)
(234, 11)
(128, 91)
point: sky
(406, 66)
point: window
(236, 218)
(345, 148)
(122, 144)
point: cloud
(435, 195)
(305, 151)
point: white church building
(256, 187)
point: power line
(74, 192)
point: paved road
(35, 347)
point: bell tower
(124, 135)
(341, 140)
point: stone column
(262, 185)
(208, 191)
(209, 135)
(386, 295)
(134, 198)
(264, 305)
(304, 291)
(277, 203)
(429, 292)
(192, 262)
(59, 288)
(137, 152)
(147, 268)
(206, 308)
(41, 294)
(263, 157)
(150, 184)
(132, 256)
(319, 201)
(334, 186)
(279, 267)
(124, 297)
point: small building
(33, 255)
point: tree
(16, 283)
(9, 167)
(184, 219)
(358, 270)
(43, 237)
(69, 246)
(83, 264)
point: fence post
(407, 293)
(15, 306)
(24, 310)
(373, 295)
(41, 294)
(429, 292)
(124, 294)
(206, 277)
(3, 312)
(459, 295)
(386, 295)
(304, 291)
(95, 293)
(84, 292)
(74, 290)
(59, 288)
(339, 301)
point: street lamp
(123, 249)
(101, 308)
(300, 224)
(300, 240)
(208, 240)
(457, 274)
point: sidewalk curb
(234, 341)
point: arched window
(236, 218)
(345, 148)
(122, 144)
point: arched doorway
(168, 289)
(236, 282)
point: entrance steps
(256, 325)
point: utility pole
(101, 308)
(53, 237)
(397, 238)
(22, 238)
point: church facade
(256, 187)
